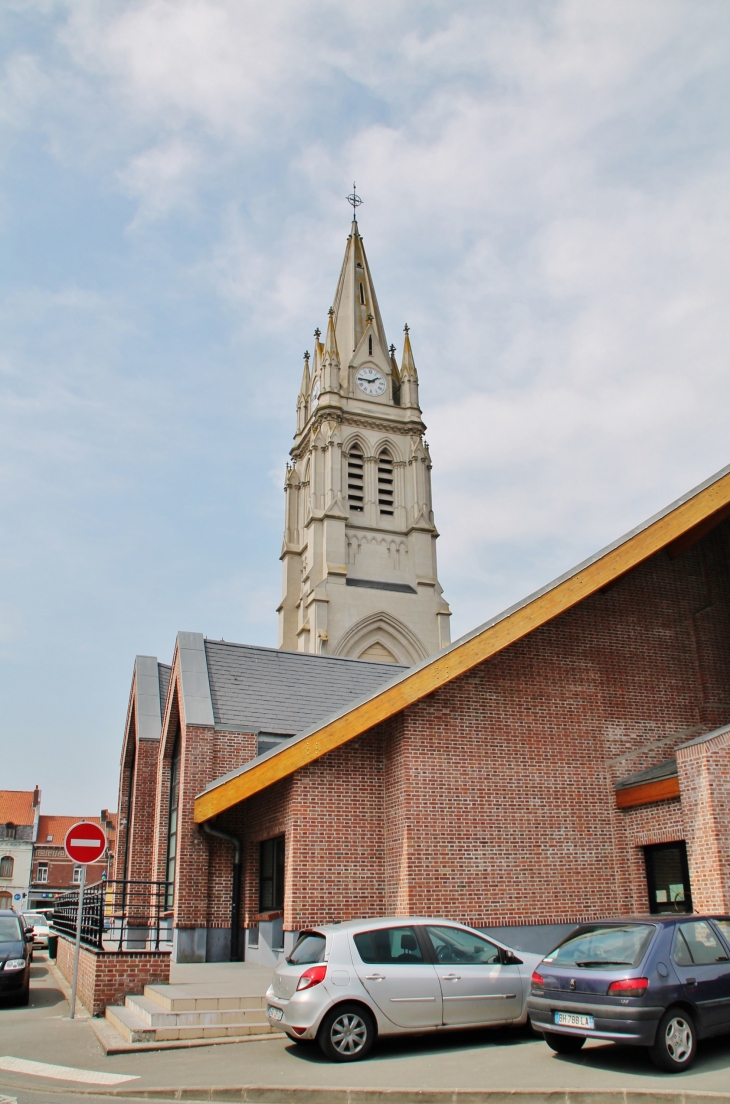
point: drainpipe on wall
(236, 891)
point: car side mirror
(29, 937)
(511, 959)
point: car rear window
(10, 930)
(308, 948)
(388, 945)
(601, 948)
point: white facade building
(359, 552)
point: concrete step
(157, 1015)
(130, 1027)
(202, 998)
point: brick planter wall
(107, 977)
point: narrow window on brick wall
(172, 824)
(271, 874)
(77, 878)
(7, 863)
(385, 483)
(355, 481)
(42, 872)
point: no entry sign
(85, 842)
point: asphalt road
(509, 1059)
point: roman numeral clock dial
(370, 381)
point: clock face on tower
(370, 381)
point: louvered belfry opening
(355, 480)
(385, 483)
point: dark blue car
(661, 982)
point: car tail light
(313, 976)
(538, 981)
(628, 987)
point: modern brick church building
(569, 759)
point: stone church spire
(359, 551)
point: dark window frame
(272, 858)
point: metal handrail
(121, 915)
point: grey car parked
(344, 984)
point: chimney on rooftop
(36, 797)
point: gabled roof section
(353, 307)
(688, 519)
(18, 806)
(272, 690)
(53, 829)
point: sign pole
(79, 917)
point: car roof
(373, 923)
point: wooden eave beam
(430, 676)
(647, 793)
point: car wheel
(564, 1044)
(347, 1033)
(675, 1045)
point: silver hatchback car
(344, 984)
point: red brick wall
(499, 804)
(142, 821)
(704, 773)
(107, 978)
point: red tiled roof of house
(16, 807)
(57, 826)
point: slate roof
(667, 769)
(270, 690)
(16, 807)
(164, 672)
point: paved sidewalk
(507, 1060)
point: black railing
(118, 916)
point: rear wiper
(604, 962)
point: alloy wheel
(678, 1039)
(349, 1033)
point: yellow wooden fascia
(475, 649)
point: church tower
(359, 552)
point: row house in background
(53, 872)
(19, 817)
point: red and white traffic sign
(85, 842)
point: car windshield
(35, 918)
(308, 948)
(10, 929)
(600, 948)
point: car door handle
(691, 981)
(375, 977)
(451, 977)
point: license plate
(274, 1013)
(571, 1019)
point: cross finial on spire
(318, 333)
(406, 328)
(354, 201)
(391, 350)
(306, 356)
(331, 311)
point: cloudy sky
(547, 203)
